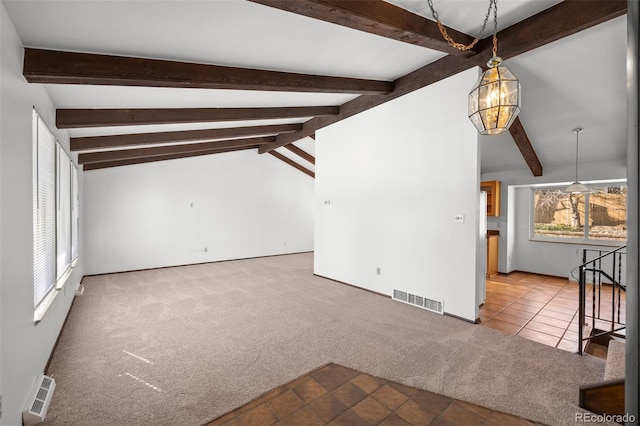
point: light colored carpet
(181, 346)
(614, 367)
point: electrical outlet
(206, 249)
(459, 218)
(378, 271)
(327, 202)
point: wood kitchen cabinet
(492, 188)
(492, 254)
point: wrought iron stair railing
(602, 280)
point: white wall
(394, 177)
(244, 205)
(25, 346)
(2, 25)
(517, 252)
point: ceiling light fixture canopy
(494, 101)
(577, 187)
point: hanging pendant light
(577, 187)
(494, 101)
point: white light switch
(459, 218)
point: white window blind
(63, 230)
(44, 207)
(74, 213)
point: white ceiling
(576, 81)
(467, 16)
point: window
(55, 219)
(63, 229)
(599, 216)
(44, 207)
(75, 204)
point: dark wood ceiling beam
(293, 163)
(564, 19)
(141, 139)
(376, 17)
(58, 67)
(80, 118)
(526, 149)
(125, 154)
(131, 161)
(301, 153)
(429, 74)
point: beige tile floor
(538, 307)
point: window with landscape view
(600, 215)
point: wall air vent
(420, 301)
(39, 400)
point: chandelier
(494, 101)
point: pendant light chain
(495, 27)
(492, 4)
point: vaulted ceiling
(144, 81)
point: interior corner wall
(25, 346)
(195, 210)
(389, 182)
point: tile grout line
(538, 312)
(252, 406)
(570, 321)
(543, 315)
(567, 329)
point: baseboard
(476, 321)
(354, 286)
(194, 264)
(55, 345)
(515, 271)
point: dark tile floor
(537, 307)
(336, 395)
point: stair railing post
(619, 284)
(614, 284)
(581, 292)
(597, 267)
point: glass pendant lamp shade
(577, 187)
(494, 101)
